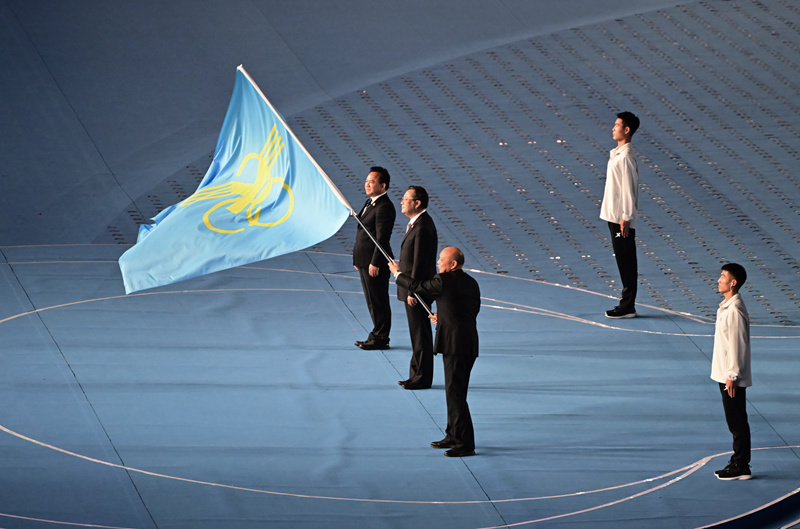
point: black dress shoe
(444, 443)
(402, 383)
(409, 385)
(459, 453)
(371, 345)
(369, 339)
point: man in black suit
(418, 260)
(377, 216)
(458, 301)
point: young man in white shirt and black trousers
(620, 209)
(730, 366)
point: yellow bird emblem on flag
(238, 196)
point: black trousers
(457, 369)
(376, 292)
(625, 253)
(736, 417)
(420, 371)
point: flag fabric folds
(262, 196)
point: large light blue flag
(263, 196)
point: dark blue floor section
(237, 400)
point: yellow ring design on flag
(240, 195)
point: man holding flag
(458, 302)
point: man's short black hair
(383, 175)
(630, 120)
(421, 195)
(737, 272)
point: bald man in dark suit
(458, 301)
(378, 217)
(418, 260)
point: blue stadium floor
(237, 400)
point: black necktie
(367, 204)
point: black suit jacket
(418, 252)
(379, 220)
(458, 301)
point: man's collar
(726, 302)
(413, 219)
(621, 148)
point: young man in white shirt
(730, 367)
(620, 209)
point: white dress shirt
(731, 360)
(621, 196)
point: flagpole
(388, 259)
(330, 183)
